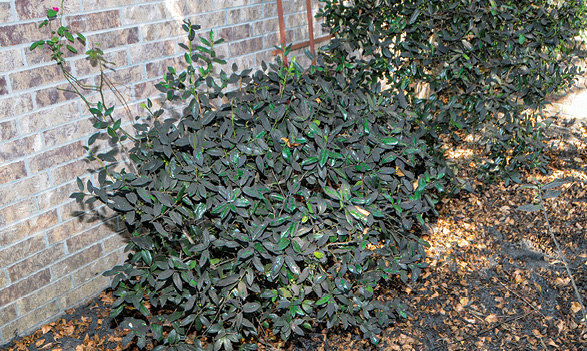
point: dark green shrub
(484, 64)
(281, 204)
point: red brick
(44, 295)
(25, 323)
(56, 94)
(32, 226)
(245, 46)
(19, 148)
(14, 105)
(21, 33)
(47, 118)
(236, 32)
(115, 38)
(18, 211)
(24, 287)
(94, 21)
(21, 250)
(36, 77)
(71, 131)
(76, 261)
(7, 314)
(35, 263)
(23, 188)
(96, 268)
(8, 130)
(150, 51)
(12, 172)
(57, 156)
(27, 9)
(3, 86)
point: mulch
(495, 280)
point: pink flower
(56, 9)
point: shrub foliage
(281, 204)
(282, 199)
(473, 66)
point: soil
(496, 280)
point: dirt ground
(495, 280)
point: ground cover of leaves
(495, 281)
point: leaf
(323, 157)
(251, 307)
(552, 193)
(231, 279)
(528, 208)
(323, 300)
(332, 193)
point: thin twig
(562, 256)
(521, 298)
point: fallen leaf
(575, 307)
(492, 318)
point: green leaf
(389, 141)
(529, 208)
(251, 307)
(332, 193)
(323, 157)
(521, 38)
(323, 300)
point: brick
(150, 51)
(67, 229)
(143, 13)
(270, 10)
(56, 94)
(236, 32)
(181, 8)
(12, 172)
(210, 20)
(158, 69)
(266, 26)
(266, 56)
(68, 172)
(71, 131)
(8, 314)
(56, 156)
(47, 118)
(128, 75)
(36, 77)
(296, 20)
(83, 67)
(31, 226)
(105, 4)
(20, 147)
(14, 105)
(3, 86)
(94, 21)
(18, 211)
(25, 323)
(245, 14)
(38, 9)
(96, 268)
(21, 250)
(5, 13)
(21, 33)
(115, 38)
(44, 295)
(223, 4)
(272, 39)
(24, 287)
(245, 46)
(90, 237)
(161, 30)
(11, 60)
(147, 90)
(116, 242)
(3, 282)
(76, 261)
(56, 196)
(35, 263)
(23, 188)
(84, 292)
(8, 130)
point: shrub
(467, 66)
(282, 203)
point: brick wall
(51, 257)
